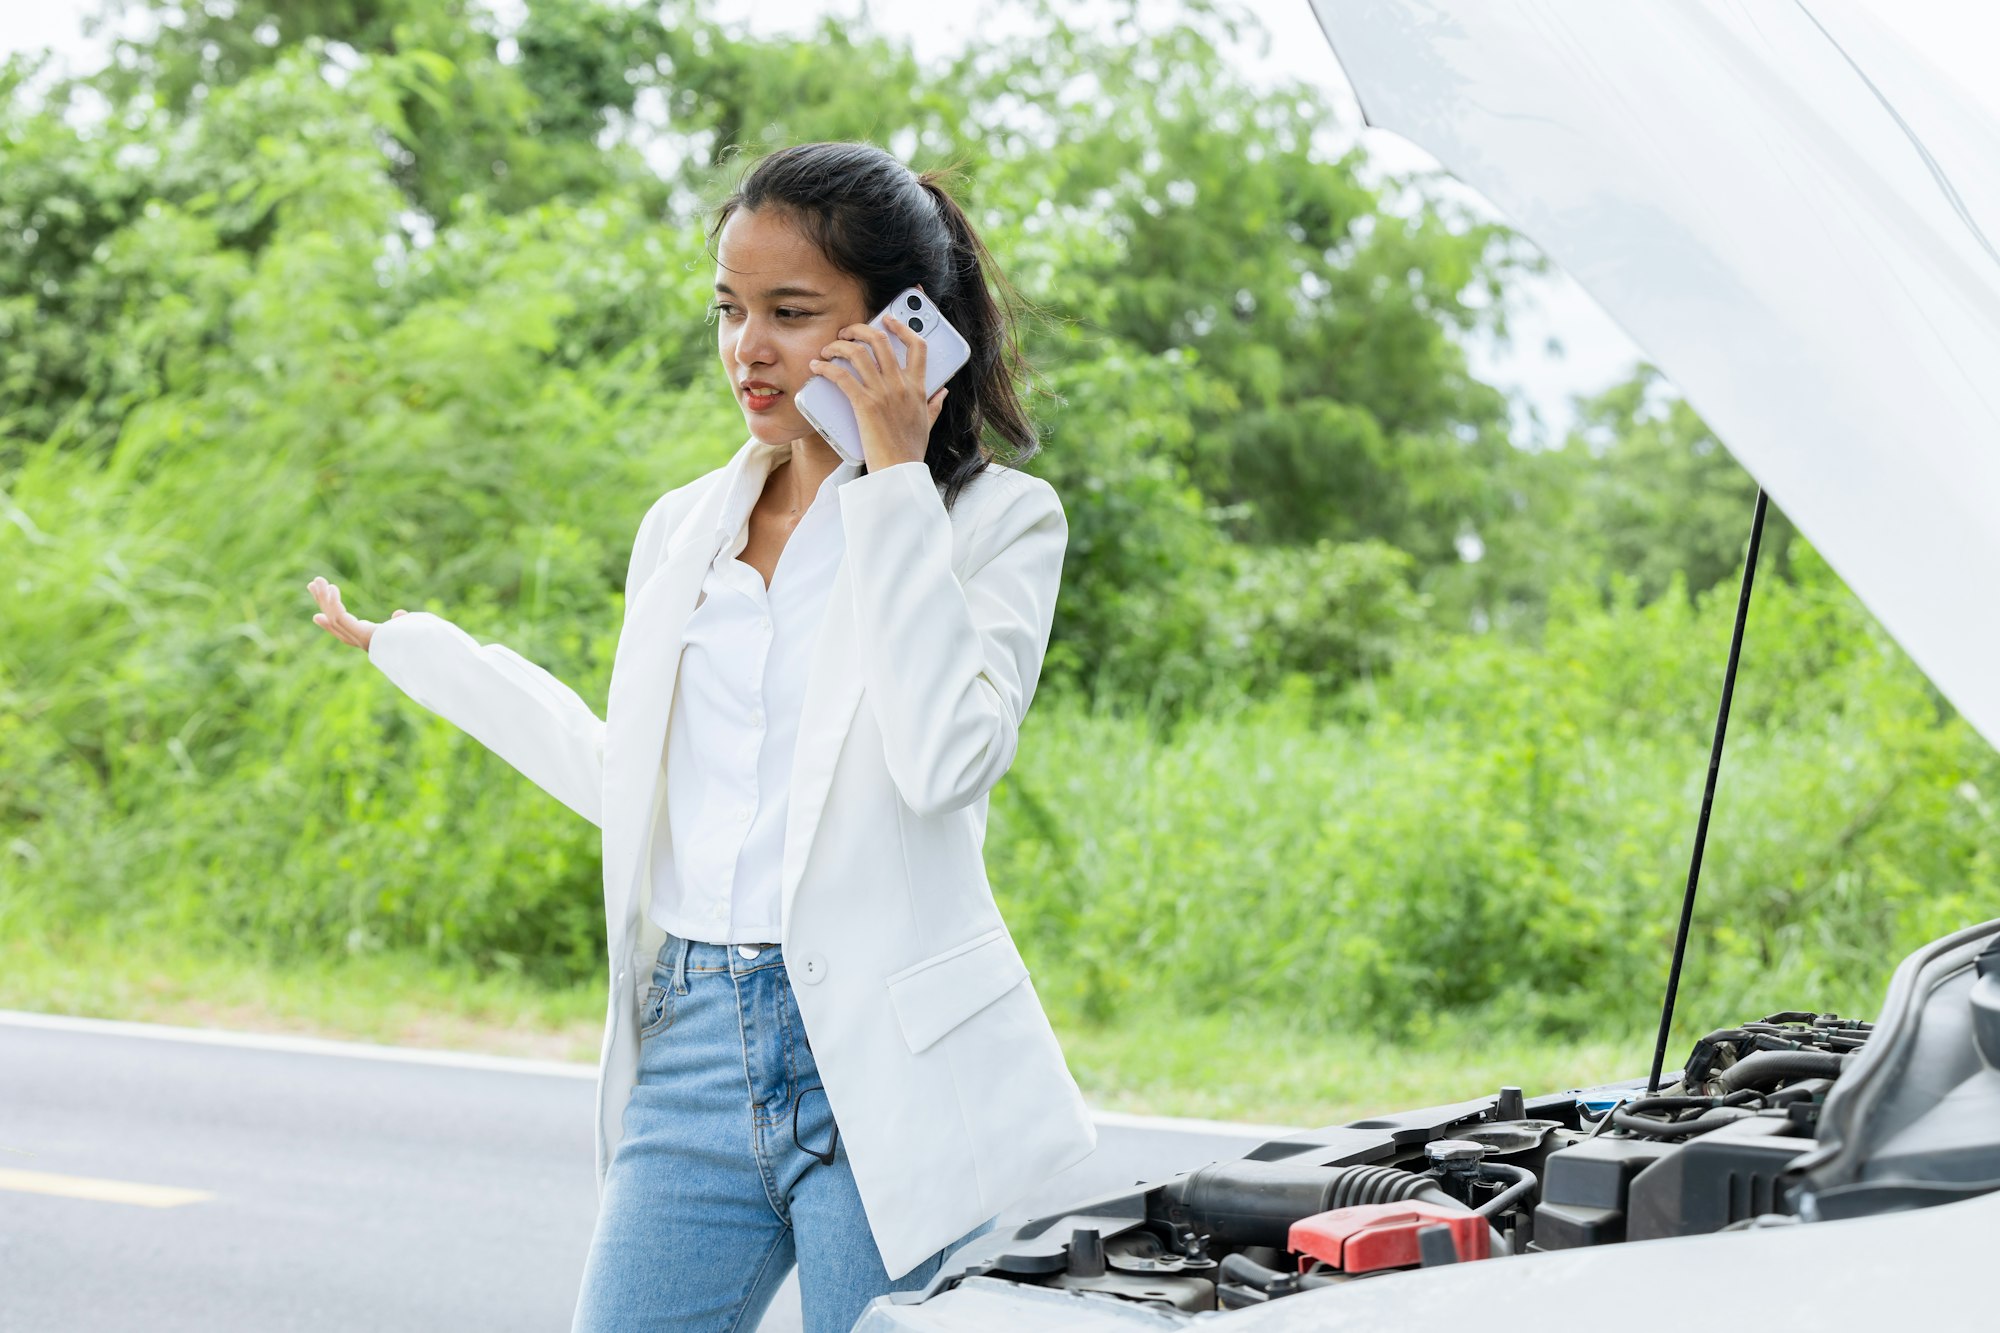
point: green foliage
(283, 391)
(370, 290)
(1641, 490)
(1503, 831)
(1157, 201)
(1319, 617)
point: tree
(1641, 490)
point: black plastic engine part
(1382, 1137)
(1086, 1253)
(1507, 1138)
(1724, 1176)
(1793, 1030)
(1514, 1183)
(1245, 1271)
(1436, 1246)
(1255, 1203)
(1245, 1282)
(1042, 1247)
(1766, 1069)
(1654, 1117)
(1586, 1189)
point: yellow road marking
(103, 1191)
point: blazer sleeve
(951, 660)
(505, 702)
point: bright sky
(1562, 344)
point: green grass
(389, 998)
(1225, 1068)
(1241, 1068)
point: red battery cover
(1373, 1236)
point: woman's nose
(754, 345)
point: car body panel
(1795, 216)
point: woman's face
(778, 303)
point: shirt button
(743, 815)
(756, 717)
(764, 625)
(810, 969)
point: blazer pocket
(936, 995)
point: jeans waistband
(703, 956)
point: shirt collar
(748, 472)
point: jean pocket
(656, 1015)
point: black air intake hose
(1768, 1068)
(1382, 1184)
(1255, 1203)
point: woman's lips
(760, 398)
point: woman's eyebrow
(771, 293)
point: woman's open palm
(336, 620)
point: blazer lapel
(642, 691)
(833, 690)
(640, 706)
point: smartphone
(825, 405)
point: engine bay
(1471, 1181)
(1740, 1139)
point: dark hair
(891, 228)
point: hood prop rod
(1708, 793)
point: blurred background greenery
(1371, 736)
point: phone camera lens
(916, 325)
(915, 302)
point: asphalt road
(161, 1179)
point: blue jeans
(730, 1169)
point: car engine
(1743, 1138)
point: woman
(837, 1059)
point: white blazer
(944, 1076)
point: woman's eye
(729, 311)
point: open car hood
(1795, 216)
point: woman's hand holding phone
(887, 395)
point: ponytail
(988, 397)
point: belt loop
(680, 967)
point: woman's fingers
(890, 405)
(858, 354)
(919, 350)
(334, 618)
(877, 340)
(841, 376)
(336, 614)
(871, 356)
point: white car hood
(1795, 216)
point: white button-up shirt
(735, 719)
